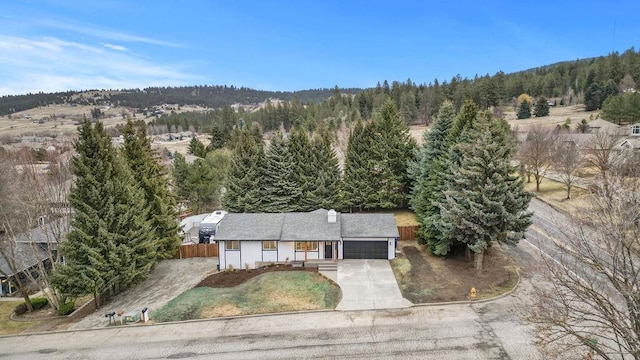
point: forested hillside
(205, 96)
(587, 81)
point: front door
(328, 250)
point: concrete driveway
(368, 285)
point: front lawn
(8, 326)
(555, 193)
(426, 278)
(271, 292)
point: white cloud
(105, 33)
(52, 64)
(115, 47)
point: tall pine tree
(279, 191)
(391, 151)
(151, 177)
(242, 185)
(354, 184)
(485, 201)
(109, 246)
(427, 167)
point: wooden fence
(407, 232)
(196, 250)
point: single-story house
(251, 240)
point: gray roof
(369, 225)
(250, 227)
(51, 233)
(25, 255)
(312, 226)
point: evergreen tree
(197, 148)
(542, 107)
(242, 186)
(391, 151)
(354, 185)
(201, 182)
(219, 138)
(326, 184)
(524, 110)
(109, 246)
(460, 132)
(427, 168)
(485, 201)
(305, 170)
(151, 177)
(278, 192)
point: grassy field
(267, 293)
(555, 193)
(8, 326)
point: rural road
(490, 330)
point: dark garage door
(365, 250)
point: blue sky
(294, 45)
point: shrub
(39, 303)
(66, 308)
(36, 303)
(20, 309)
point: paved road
(479, 331)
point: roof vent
(332, 215)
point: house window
(233, 245)
(269, 245)
(635, 130)
(306, 246)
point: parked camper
(208, 226)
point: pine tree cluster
(302, 173)
(465, 192)
(125, 216)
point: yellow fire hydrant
(472, 293)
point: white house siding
(391, 245)
(286, 251)
(222, 259)
(270, 255)
(251, 252)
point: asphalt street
(478, 331)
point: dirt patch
(429, 278)
(237, 277)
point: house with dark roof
(252, 240)
(26, 252)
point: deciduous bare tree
(535, 153)
(593, 301)
(567, 161)
(34, 219)
(601, 152)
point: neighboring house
(251, 240)
(27, 251)
(25, 257)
